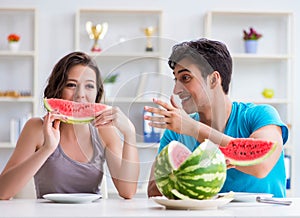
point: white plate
(192, 204)
(247, 196)
(72, 197)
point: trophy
(96, 32)
(149, 32)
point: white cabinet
(140, 72)
(18, 71)
(271, 67)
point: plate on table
(192, 204)
(72, 197)
(247, 196)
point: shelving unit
(271, 67)
(123, 53)
(18, 69)
(140, 72)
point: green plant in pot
(108, 84)
(251, 39)
(111, 78)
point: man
(202, 71)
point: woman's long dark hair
(59, 75)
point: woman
(66, 158)
(202, 69)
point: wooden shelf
(18, 99)
(125, 55)
(274, 57)
(264, 100)
(6, 145)
(5, 53)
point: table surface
(140, 207)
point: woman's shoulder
(35, 121)
(33, 126)
(32, 133)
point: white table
(140, 207)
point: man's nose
(178, 87)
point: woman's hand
(170, 116)
(113, 116)
(51, 129)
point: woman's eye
(71, 85)
(90, 86)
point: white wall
(181, 20)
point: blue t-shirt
(245, 118)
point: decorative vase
(251, 46)
(14, 46)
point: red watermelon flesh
(178, 153)
(76, 112)
(248, 151)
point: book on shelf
(16, 126)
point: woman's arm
(29, 155)
(121, 154)
(152, 190)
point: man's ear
(213, 79)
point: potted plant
(251, 39)
(108, 83)
(13, 41)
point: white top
(140, 207)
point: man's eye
(185, 78)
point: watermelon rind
(253, 161)
(70, 120)
(200, 176)
(180, 196)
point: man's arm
(152, 188)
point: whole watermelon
(181, 174)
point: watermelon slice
(76, 112)
(247, 152)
